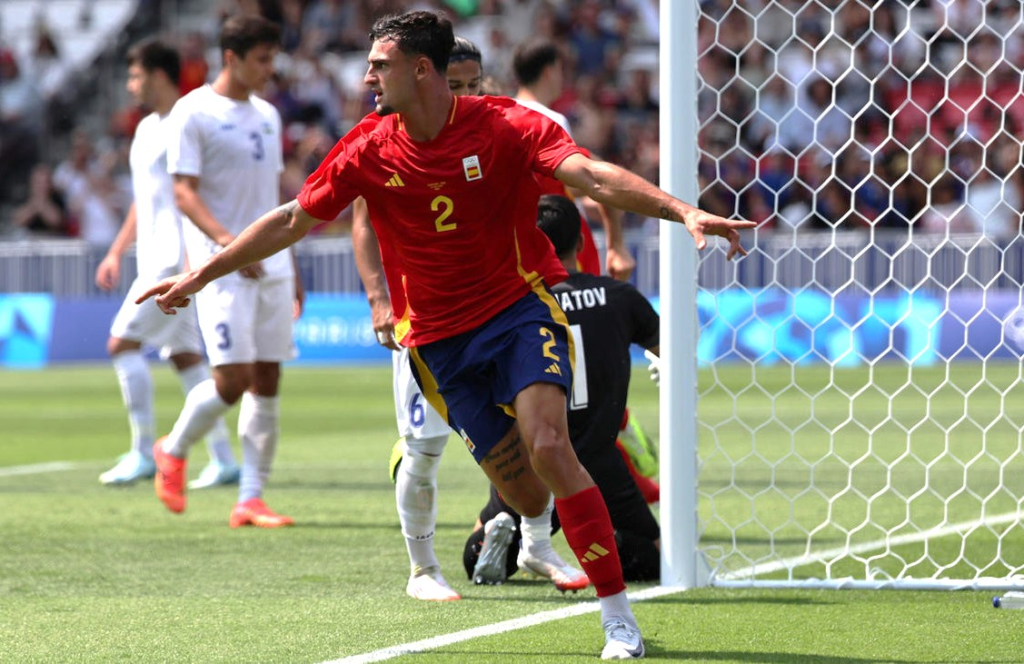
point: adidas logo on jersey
(554, 369)
(394, 181)
(594, 552)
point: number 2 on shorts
(549, 344)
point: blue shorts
(472, 379)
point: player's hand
(254, 271)
(701, 223)
(654, 369)
(173, 292)
(383, 321)
(108, 274)
(619, 263)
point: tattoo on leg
(508, 459)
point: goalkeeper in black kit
(606, 316)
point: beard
(383, 110)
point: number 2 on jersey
(446, 206)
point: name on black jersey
(585, 298)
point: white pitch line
(37, 468)
(900, 540)
(659, 591)
(496, 628)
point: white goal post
(846, 411)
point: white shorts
(146, 324)
(247, 320)
(416, 418)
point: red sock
(588, 530)
(649, 489)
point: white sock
(536, 530)
(616, 607)
(218, 442)
(137, 392)
(416, 498)
(203, 406)
(258, 433)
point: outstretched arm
(276, 230)
(617, 187)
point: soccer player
(490, 347)
(537, 64)
(423, 433)
(224, 154)
(153, 224)
(605, 316)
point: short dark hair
(465, 50)
(559, 218)
(153, 55)
(241, 33)
(418, 33)
(532, 57)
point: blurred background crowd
(827, 115)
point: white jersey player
(225, 156)
(154, 224)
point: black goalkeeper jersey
(606, 316)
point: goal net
(860, 387)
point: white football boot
(621, 641)
(427, 584)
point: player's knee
(266, 378)
(116, 346)
(418, 464)
(231, 385)
(552, 452)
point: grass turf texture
(90, 573)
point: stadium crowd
(796, 104)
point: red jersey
(456, 216)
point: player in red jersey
(416, 457)
(491, 347)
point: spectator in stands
(334, 25)
(592, 44)
(194, 67)
(45, 67)
(44, 213)
(93, 189)
(21, 114)
(291, 25)
(946, 213)
(994, 201)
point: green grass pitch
(95, 574)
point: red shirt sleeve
(335, 183)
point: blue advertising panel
(765, 326)
(25, 325)
(337, 328)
